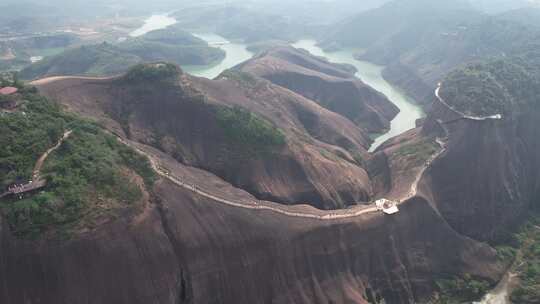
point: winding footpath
(325, 215)
(36, 182)
(258, 205)
(39, 164)
(255, 205)
(264, 206)
(463, 115)
(47, 80)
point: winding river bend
(371, 75)
(235, 53)
(152, 23)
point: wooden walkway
(24, 188)
(37, 181)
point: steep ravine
(371, 74)
(331, 85)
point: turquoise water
(371, 74)
(235, 53)
(154, 22)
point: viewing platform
(387, 206)
(20, 189)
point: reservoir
(154, 22)
(235, 53)
(371, 75)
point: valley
(409, 110)
(152, 23)
(213, 193)
(235, 53)
(246, 152)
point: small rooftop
(8, 90)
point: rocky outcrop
(122, 262)
(320, 163)
(332, 86)
(190, 249)
(488, 178)
(481, 183)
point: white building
(387, 206)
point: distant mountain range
(169, 44)
(419, 41)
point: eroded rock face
(286, 260)
(320, 162)
(331, 85)
(488, 179)
(189, 249)
(122, 262)
(216, 253)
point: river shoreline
(152, 23)
(235, 53)
(371, 74)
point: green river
(371, 75)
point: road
(465, 116)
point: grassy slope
(108, 59)
(90, 177)
(496, 86)
(102, 59)
(528, 264)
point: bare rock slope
(191, 249)
(456, 179)
(318, 162)
(333, 86)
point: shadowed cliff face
(216, 253)
(332, 86)
(317, 164)
(285, 260)
(488, 178)
(119, 263)
(187, 246)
